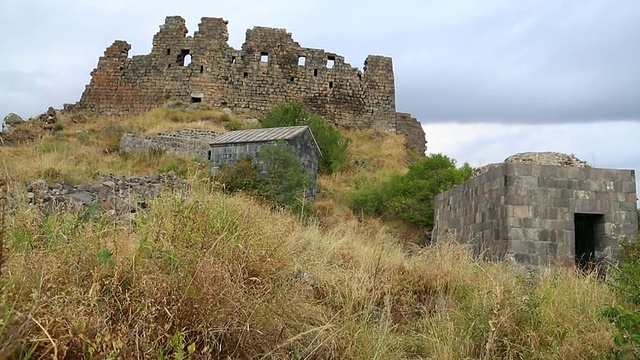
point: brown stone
(269, 68)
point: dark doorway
(589, 229)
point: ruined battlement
(269, 68)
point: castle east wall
(269, 68)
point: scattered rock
(11, 121)
(79, 118)
(114, 193)
(360, 163)
(540, 158)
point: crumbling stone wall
(268, 69)
(528, 211)
(185, 142)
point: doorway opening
(589, 231)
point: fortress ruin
(268, 69)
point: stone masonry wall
(528, 210)
(474, 213)
(185, 142)
(268, 69)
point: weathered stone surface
(114, 193)
(185, 142)
(269, 68)
(533, 210)
(10, 121)
(539, 158)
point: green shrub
(58, 127)
(626, 315)
(281, 182)
(173, 166)
(334, 146)
(411, 197)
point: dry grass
(375, 157)
(205, 275)
(211, 276)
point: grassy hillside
(206, 275)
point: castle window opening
(293, 79)
(315, 72)
(331, 61)
(184, 58)
(264, 57)
(201, 69)
(330, 84)
(233, 59)
(168, 51)
(245, 75)
(196, 99)
(302, 60)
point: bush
(411, 197)
(334, 146)
(282, 181)
(626, 316)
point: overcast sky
(486, 78)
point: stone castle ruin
(541, 209)
(269, 68)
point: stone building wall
(185, 142)
(531, 210)
(268, 69)
(304, 146)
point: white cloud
(602, 144)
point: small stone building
(233, 146)
(541, 214)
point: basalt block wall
(532, 211)
(268, 69)
(185, 142)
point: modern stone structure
(541, 214)
(236, 145)
(186, 142)
(268, 69)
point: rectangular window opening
(315, 72)
(330, 84)
(245, 75)
(589, 234)
(331, 61)
(264, 57)
(184, 59)
(302, 60)
(201, 69)
(233, 59)
(196, 99)
(168, 51)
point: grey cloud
(501, 61)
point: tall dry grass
(204, 275)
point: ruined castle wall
(269, 68)
(184, 142)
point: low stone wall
(184, 142)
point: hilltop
(198, 273)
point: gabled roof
(262, 135)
